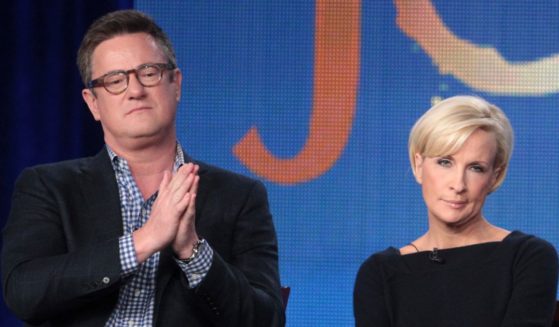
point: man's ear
(418, 168)
(91, 101)
(177, 79)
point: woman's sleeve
(534, 292)
(369, 305)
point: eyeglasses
(116, 82)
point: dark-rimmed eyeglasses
(116, 82)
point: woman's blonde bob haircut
(444, 128)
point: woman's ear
(418, 168)
(496, 174)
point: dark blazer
(60, 255)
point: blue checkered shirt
(137, 293)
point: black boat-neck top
(507, 283)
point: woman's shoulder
(381, 258)
(529, 247)
(527, 241)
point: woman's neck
(444, 237)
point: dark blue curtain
(43, 117)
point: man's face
(140, 115)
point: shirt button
(106, 280)
(137, 292)
(195, 275)
(131, 323)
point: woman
(463, 271)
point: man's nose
(134, 85)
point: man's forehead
(126, 51)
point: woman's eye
(478, 169)
(444, 162)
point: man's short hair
(119, 23)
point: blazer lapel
(101, 200)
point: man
(140, 234)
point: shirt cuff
(198, 268)
(128, 261)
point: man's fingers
(194, 187)
(191, 179)
(179, 177)
(179, 184)
(165, 180)
(191, 209)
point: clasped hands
(171, 221)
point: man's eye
(114, 80)
(149, 72)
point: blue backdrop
(316, 98)
(254, 64)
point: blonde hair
(444, 128)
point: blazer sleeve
(46, 271)
(533, 298)
(369, 303)
(244, 289)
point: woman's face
(455, 186)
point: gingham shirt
(137, 293)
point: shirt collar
(179, 157)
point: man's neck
(148, 163)
(146, 158)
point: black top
(508, 283)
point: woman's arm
(534, 292)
